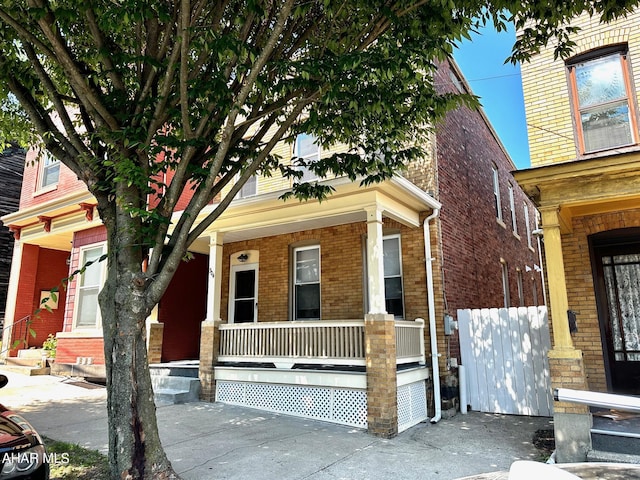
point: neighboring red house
(455, 231)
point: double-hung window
(49, 171)
(392, 260)
(602, 101)
(87, 310)
(496, 192)
(306, 283)
(250, 188)
(527, 224)
(512, 206)
(308, 151)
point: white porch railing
(410, 341)
(340, 342)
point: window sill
(42, 191)
(501, 223)
(610, 151)
(515, 234)
(81, 333)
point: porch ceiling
(267, 215)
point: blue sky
(498, 86)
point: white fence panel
(504, 352)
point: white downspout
(432, 317)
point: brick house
(290, 306)
(584, 140)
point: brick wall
(25, 295)
(31, 195)
(546, 91)
(470, 240)
(80, 239)
(52, 269)
(342, 278)
(70, 348)
(40, 270)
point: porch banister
(337, 342)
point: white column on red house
(214, 284)
(209, 332)
(380, 339)
(12, 296)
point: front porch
(324, 370)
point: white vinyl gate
(504, 352)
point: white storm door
(243, 294)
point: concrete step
(23, 362)
(31, 353)
(611, 457)
(175, 389)
(180, 369)
(27, 369)
(615, 437)
(626, 443)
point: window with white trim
(49, 171)
(496, 193)
(603, 104)
(306, 149)
(505, 284)
(250, 188)
(87, 310)
(393, 288)
(520, 288)
(306, 283)
(512, 206)
(527, 224)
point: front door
(243, 293)
(617, 265)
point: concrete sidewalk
(215, 441)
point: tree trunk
(135, 451)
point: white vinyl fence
(504, 352)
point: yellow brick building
(582, 118)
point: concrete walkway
(215, 441)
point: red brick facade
(32, 195)
(473, 244)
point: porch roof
(258, 216)
(51, 224)
(268, 215)
(591, 186)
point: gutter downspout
(432, 317)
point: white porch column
(12, 294)
(375, 261)
(214, 286)
(209, 331)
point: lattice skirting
(337, 405)
(412, 405)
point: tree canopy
(144, 100)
